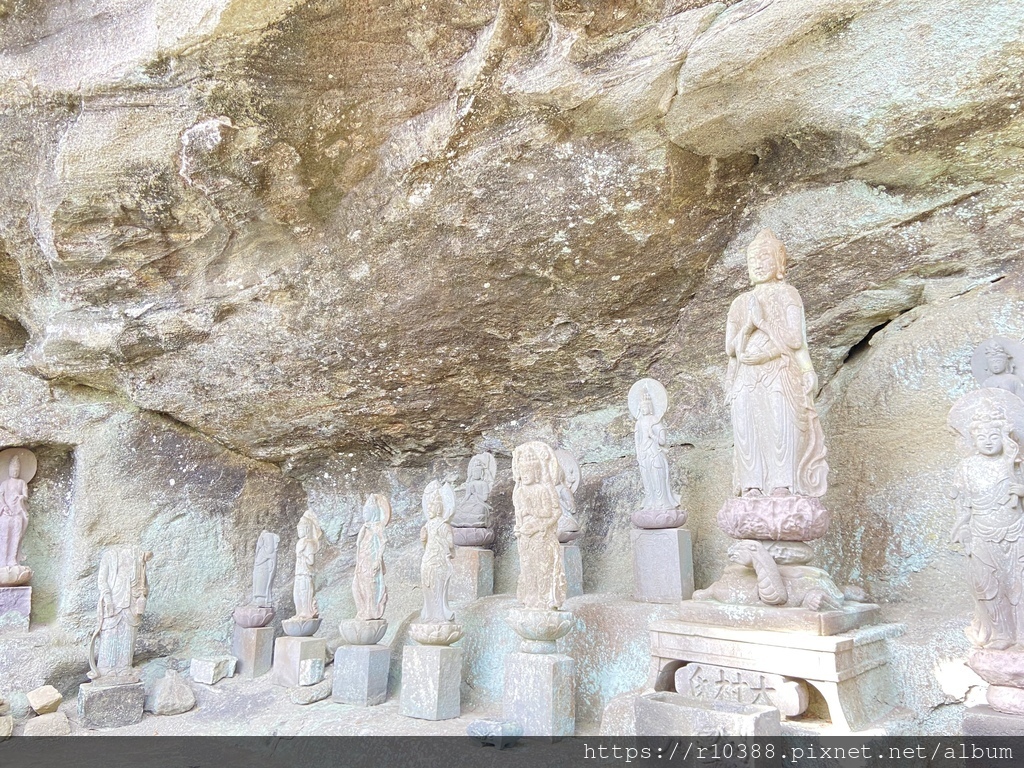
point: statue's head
(433, 504)
(766, 258)
(646, 403)
(377, 509)
(14, 469)
(997, 358)
(990, 431)
(309, 528)
(527, 465)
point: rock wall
(258, 256)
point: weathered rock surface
(169, 695)
(258, 258)
(52, 724)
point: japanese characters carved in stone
(17, 468)
(123, 589)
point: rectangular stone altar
(849, 670)
(431, 682)
(540, 693)
(662, 565)
(299, 661)
(361, 674)
(474, 574)
(254, 649)
(573, 562)
(110, 706)
(670, 714)
(15, 607)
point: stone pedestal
(110, 706)
(431, 679)
(849, 670)
(474, 574)
(299, 661)
(573, 562)
(15, 607)
(254, 649)
(361, 674)
(662, 565)
(985, 721)
(670, 714)
(540, 693)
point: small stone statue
(536, 471)
(660, 509)
(995, 365)
(472, 520)
(260, 611)
(568, 482)
(436, 624)
(779, 447)
(17, 468)
(368, 588)
(306, 620)
(123, 591)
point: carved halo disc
(962, 412)
(1013, 348)
(570, 468)
(659, 397)
(28, 463)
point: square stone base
(662, 565)
(254, 649)
(110, 706)
(573, 562)
(779, 619)
(473, 576)
(985, 721)
(540, 693)
(850, 671)
(361, 674)
(299, 661)
(431, 682)
(15, 607)
(669, 714)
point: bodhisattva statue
(567, 483)
(18, 467)
(436, 624)
(987, 489)
(536, 471)
(660, 508)
(472, 520)
(995, 365)
(123, 591)
(306, 620)
(260, 610)
(368, 588)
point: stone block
(361, 674)
(299, 661)
(431, 682)
(985, 721)
(573, 562)
(474, 574)
(110, 706)
(44, 699)
(540, 693)
(310, 694)
(15, 607)
(741, 686)
(52, 724)
(776, 619)
(671, 714)
(169, 695)
(662, 565)
(254, 649)
(213, 670)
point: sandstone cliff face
(258, 255)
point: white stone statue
(123, 591)
(474, 511)
(779, 446)
(368, 588)
(567, 484)
(995, 365)
(260, 610)
(648, 401)
(535, 470)
(306, 620)
(17, 468)
(436, 568)
(988, 488)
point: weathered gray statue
(17, 468)
(306, 620)
(778, 443)
(995, 365)
(436, 567)
(535, 470)
(567, 484)
(472, 519)
(260, 610)
(123, 591)
(368, 588)
(660, 508)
